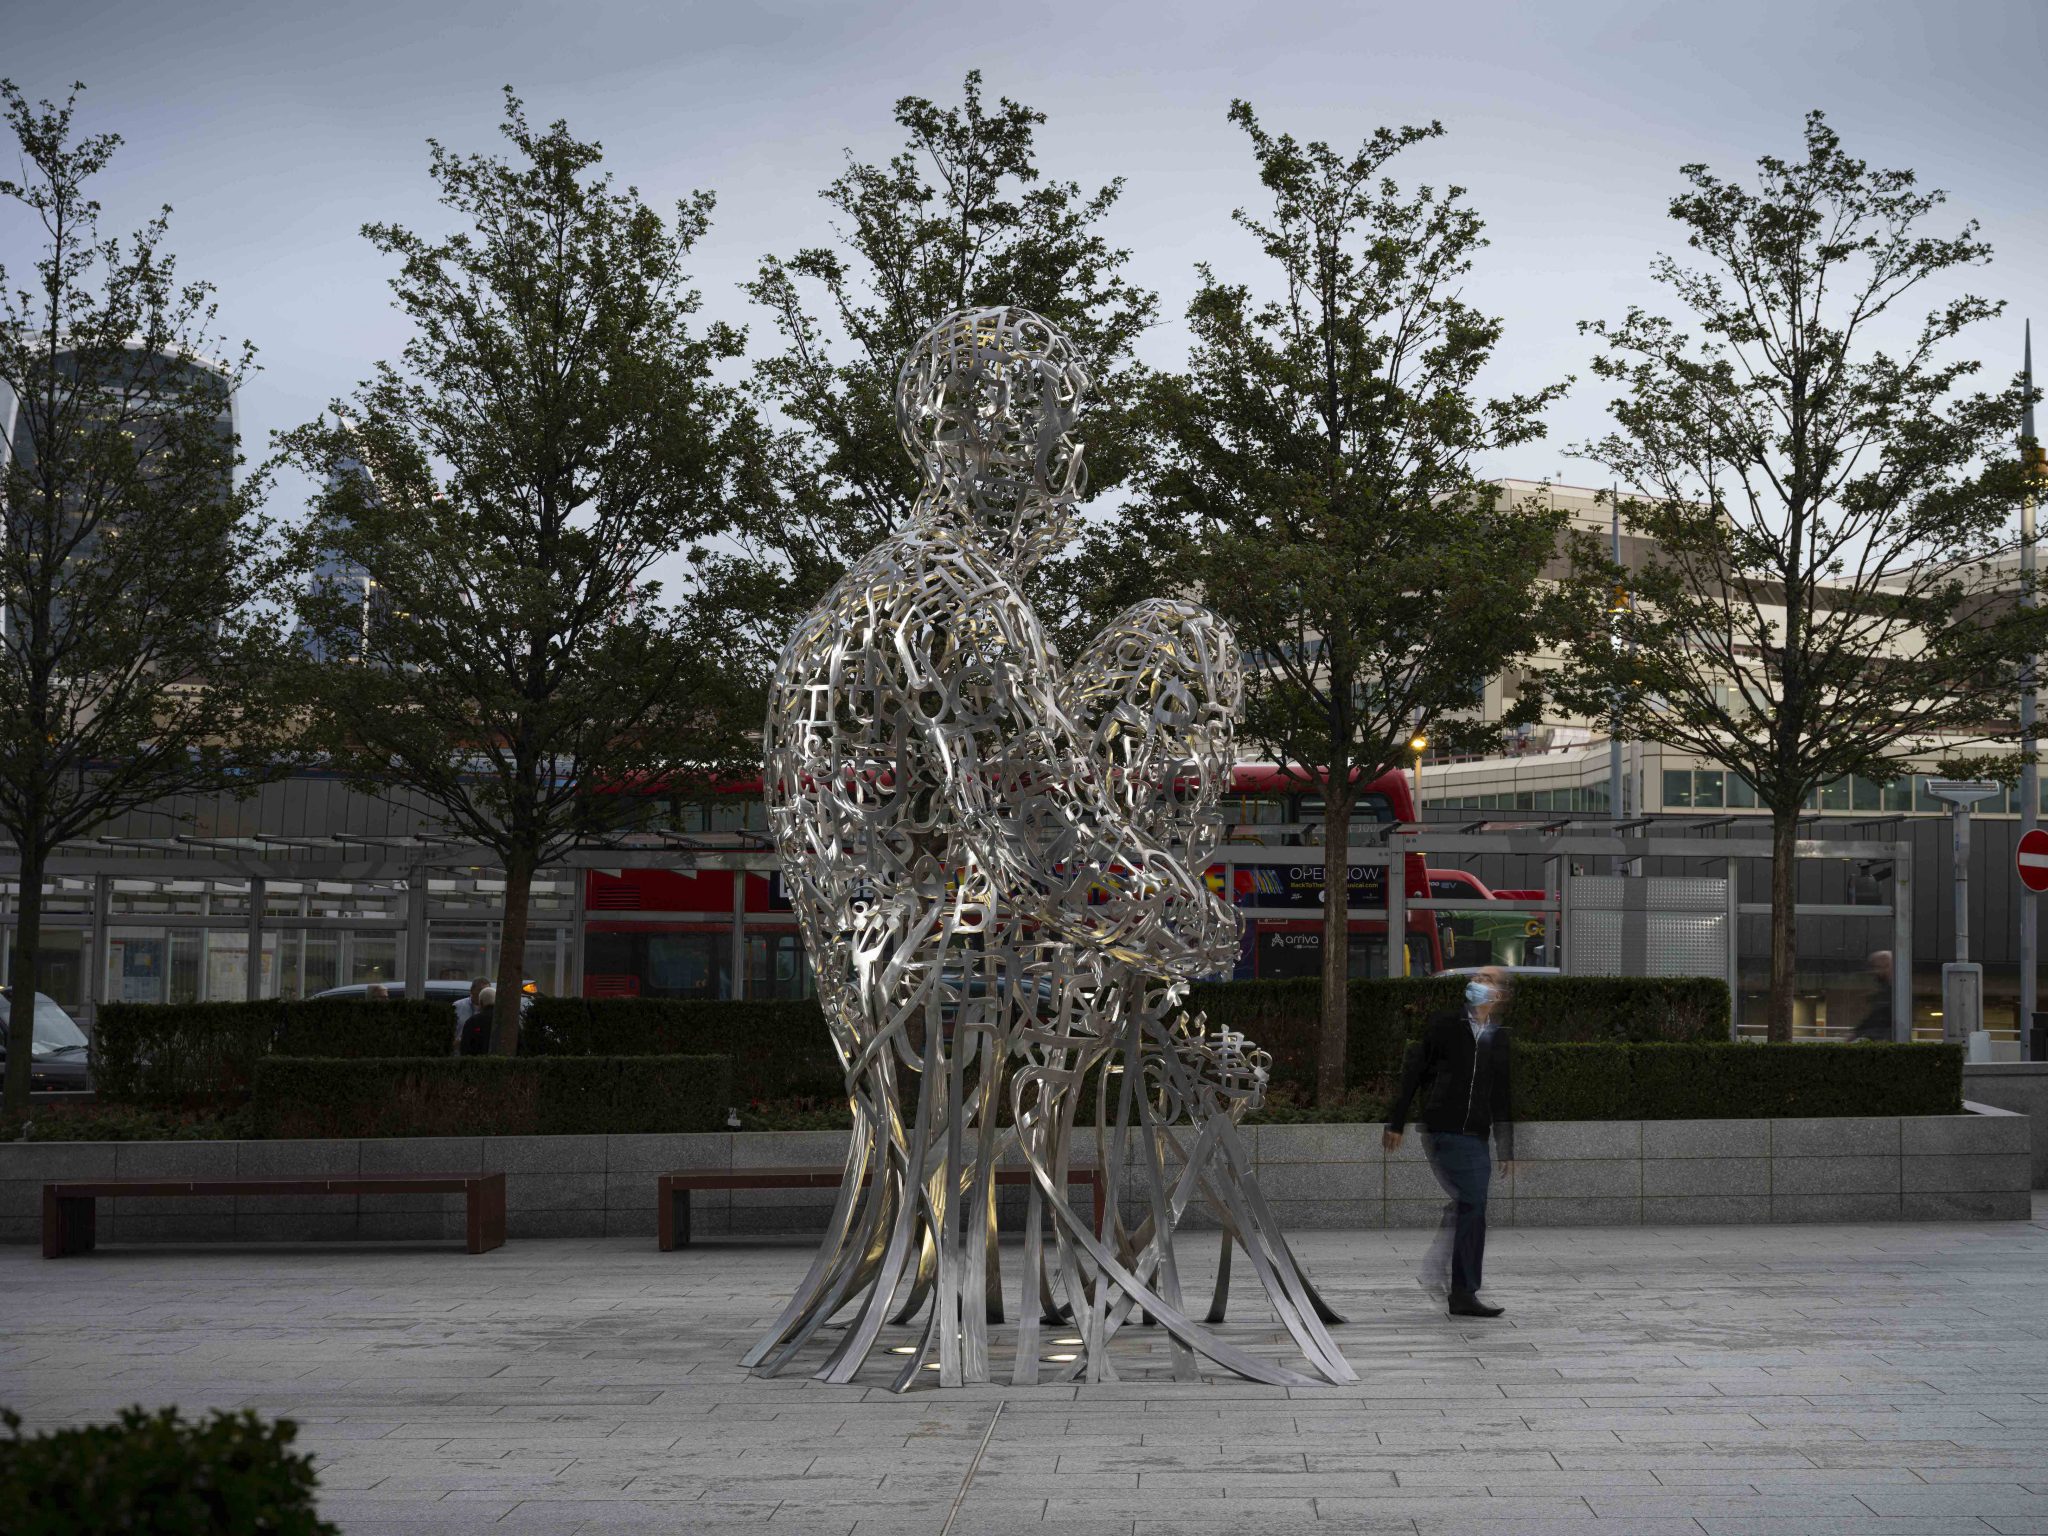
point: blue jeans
(1463, 1165)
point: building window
(1677, 789)
(1707, 790)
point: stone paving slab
(1746, 1380)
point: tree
(1824, 504)
(961, 217)
(553, 430)
(1319, 452)
(132, 652)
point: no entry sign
(2032, 857)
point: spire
(2027, 418)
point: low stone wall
(2019, 1086)
(1973, 1166)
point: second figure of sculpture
(997, 864)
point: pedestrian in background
(476, 1029)
(1460, 1068)
(465, 1006)
(1877, 1022)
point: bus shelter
(1621, 922)
(158, 919)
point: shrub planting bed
(1722, 1081)
(782, 1054)
(175, 1051)
(780, 1051)
(1386, 1015)
(490, 1096)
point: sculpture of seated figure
(997, 865)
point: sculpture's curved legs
(845, 1361)
(1219, 1299)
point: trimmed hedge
(780, 1050)
(229, 1474)
(1283, 1017)
(1724, 1081)
(160, 1051)
(490, 1096)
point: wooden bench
(69, 1204)
(673, 1197)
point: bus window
(1368, 957)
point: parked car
(59, 1058)
(437, 991)
(454, 992)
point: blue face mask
(1479, 992)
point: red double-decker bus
(1274, 807)
(711, 930)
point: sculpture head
(986, 403)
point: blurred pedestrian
(1877, 1021)
(1460, 1068)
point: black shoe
(1472, 1306)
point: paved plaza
(1715, 1381)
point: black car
(58, 1061)
(456, 992)
(437, 991)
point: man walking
(1460, 1066)
(1877, 1020)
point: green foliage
(1386, 1015)
(1824, 501)
(1574, 1082)
(351, 1026)
(780, 1050)
(210, 1121)
(165, 1051)
(1726, 1081)
(491, 1096)
(783, 1059)
(139, 582)
(143, 1051)
(156, 1474)
(553, 431)
(1358, 1108)
(795, 1115)
(961, 217)
(1319, 452)
(1317, 458)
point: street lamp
(1418, 744)
(1962, 984)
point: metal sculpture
(996, 862)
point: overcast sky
(276, 128)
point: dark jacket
(1877, 1022)
(1463, 1083)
